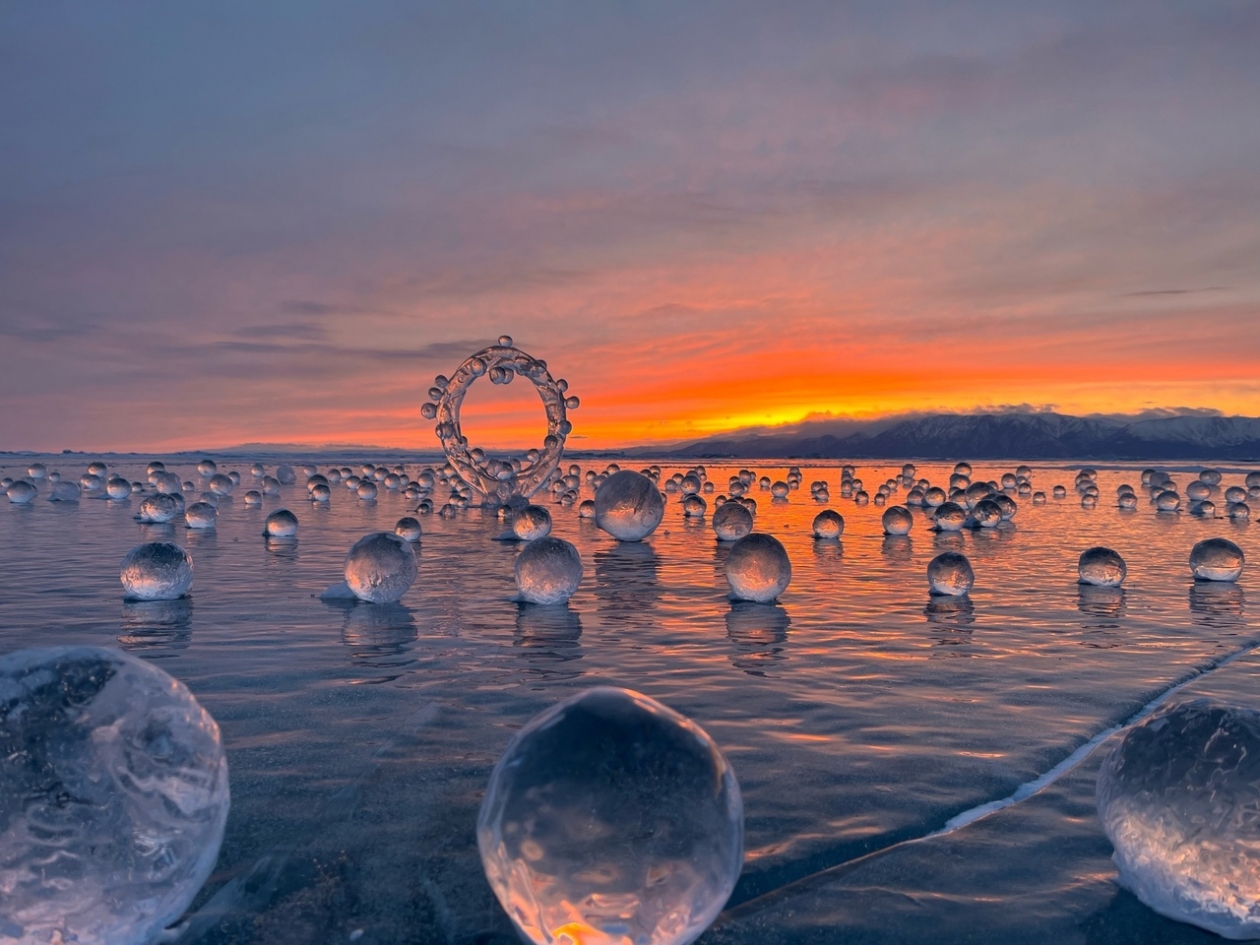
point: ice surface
(950, 573)
(758, 568)
(628, 506)
(897, 520)
(548, 571)
(531, 523)
(611, 820)
(1101, 567)
(380, 568)
(156, 570)
(280, 524)
(1216, 559)
(828, 524)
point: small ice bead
(156, 570)
(531, 523)
(201, 515)
(628, 506)
(1179, 798)
(829, 524)
(949, 573)
(586, 509)
(731, 521)
(280, 524)
(611, 818)
(1101, 567)
(380, 568)
(897, 520)
(694, 506)
(758, 568)
(548, 571)
(408, 529)
(1216, 559)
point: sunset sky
(227, 222)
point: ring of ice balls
(498, 480)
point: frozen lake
(857, 712)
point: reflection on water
(897, 549)
(547, 638)
(952, 613)
(156, 628)
(757, 633)
(378, 635)
(1100, 601)
(626, 582)
(948, 541)
(1217, 604)
(286, 548)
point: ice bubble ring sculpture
(497, 481)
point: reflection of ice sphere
(829, 524)
(380, 567)
(1167, 501)
(158, 509)
(897, 520)
(157, 570)
(1216, 559)
(280, 524)
(1179, 798)
(221, 484)
(1101, 567)
(586, 509)
(628, 506)
(366, 490)
(950, 517)
(694, 506)
(548, 571)
(610, 818)
(950, 573)
(731, 521)
(114, 801)
(758, 568)
(21, 492)
(286, 475)
(201, 515)
(207, 468)
(531, 522)
(408, 529)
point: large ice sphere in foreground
(156, 570)
(758, 568)
(21, 492)
(380, 568)
(949, 573)
(611, 820)
(548, 571)
(280, 524)
(531, 523)
(628, 506)
(829, 524)
(113, 797)
(731, 521)
(1179, 798)
(897, 520)
(1101, 567)
(1216, 559)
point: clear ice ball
(987, 514)
(628, 506)
(694, 506)
(280, 524)
(156, 570)
(732, 521)
(758, 568)
(829, 524)
(612, 819)
(1167, 501)
(408, 529)
(113, 797)
(21, 492)
(1216, 559)
(366, 490)
(897, 520)
(548, 571)
(1101, 567)
(380, 568)
(221, 485)
(950, 574)
(1179, 798)
(531, 523)
(201, 515)
(950, 517)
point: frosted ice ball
(950, 517)
(1235, 494)
(1006, 505)
(690, 484)
(201, 515)
(1167, 501)
(408, 529)
(949, 573)
(1204, 509)
(531, 523)
(628, 506)
(897, 520)
(280, 524)
(1240, 511)
(611, 819)
(207, 468)
(366, 490)
(65, 492)
(1179, 798)
(758, 568)
(1128, 501)
(286, 475)
(987, 513)
(320, 493)
(253, 497)
(732, 521)
(221, 484)
(270, 485)
(21, 492)
(548, 571)
(380, 568)
(1210, 477)
(1101, 567)
(828, 524)
(694, 506)
(37, 471)
(1198, 491)
(779, 490)
(156, 570)
(1216, 559)
(586, 509)
(158, 509)
(117, 488)
(113, 803)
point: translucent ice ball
(408, 529)
(1216, 559)
(694, 506)
(207, 468)
(548, 571)
(21, 492)
(117, 488)
(286, 475)
(158, 509)
(758, 568)
(280, 524)
(1168, 501)
(732, 521)
(610, 818)
(628, 506)
(253, 497)
(531, 523)
(586, 509)
(321, 493)
(829, 524)
(221, 484)
(366, 490)
(950, 573)
(987, 514)
(1101, 567)
(380, 568)
(897, 520)
(156, 570)
(950, 517)
(115, 803)
(201, 515)
(1179, 798)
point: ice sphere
(758, 568)
(286, 475)
(280, 524)
(531, 522)
(1204, 509)
(694, 506)
(628, 506)
(408, 529)
(1006, 505)
(21, 492)
(1101, 567)
(253, 497)
(270, 485)
(1235, 494)
(548, 571)
(949, 573)
(828, 524)
(950, 517)
(1128, 501)
(37, 471)
(779, 490)
(220, 484)
(731, 521)
(935, 497)
(113, 797)
(690, 484)
(156, 570)
(1060, 492)
(1211, 477)
(320, 493)
(1216, 559)
(366, 489)
(158, 509)
(380, 568)
(897, 520)
(117, 488)
(1240, 511)
(586, 509)
(65, 492)
(207, 468)
(1039, 498)
(1198, 491)
(962, 469)
(612, 820)
(861, 497)
(987, 514)
(1167, 501)
(1179, 798)
(1089, 501)
(201, 515)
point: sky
(230, 222)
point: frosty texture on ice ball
(628, 506)
(380, 568)
(113, 797)
(950, 517)
(897, 520)
(531, 523)
(157, 570)
(1179, 798)
(407, 528)
(1216, 559)
(280, 524)
(201, 515)
(731, 521)
(21, 492)
(829, 524)
(950, 574)
(758, 568)
(1101, 567)
(612, 819)
(548, 571)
